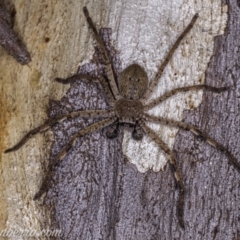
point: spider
(128, 105)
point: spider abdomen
(128, 111)
(133, 82)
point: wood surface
(97, 193)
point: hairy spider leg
(89, 129)
(102, 48)
(77, 77)
(198, 133)
(169, 94)
(168, 57)
(100, 80)
(44, 127)
(174, 166)
(9, 39)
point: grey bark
(105, 197)
(212, 207)
(96, 193)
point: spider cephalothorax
(128, 111)
(128, 104)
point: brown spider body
(128, 105)
(128, 111)
(133, 82)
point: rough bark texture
(96, 193)
(212, 209)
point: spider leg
(173, 164)
(169, 94)
(78, 76)
(197, 132)
(168, 57)
(109, 68)
(9, 39)
(45, 126)
(89, 129)
(100, 80)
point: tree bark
(97, 192)
(212, 183)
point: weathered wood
(212, 208)
(97, 193)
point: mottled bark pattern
(213, 186)
(92, 175)
(97, 195)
